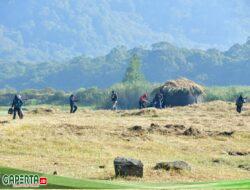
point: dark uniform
(17, 105)
(114, 99)
(158, 100)
(72, 102)
(239, 103)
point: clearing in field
(211, 137)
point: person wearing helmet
(114, 99)
(72, 102)
(143, 101)
(17, 105)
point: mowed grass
(75, 145)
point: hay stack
(181, 92)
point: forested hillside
(47, 30)
(160, 62)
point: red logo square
(43, 180)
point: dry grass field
(76, 145)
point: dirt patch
(216, 160)
(136, 128)
(72, 126)
(43, 111)
(191, 132)
(175, 129)
(72, 129)
(132, 133)
(244, 167)
(146, 112)
(4, 122)
(175, 126)
(155, 128)
(128, 136)
(219, 133)
(175, 166)
(136, 131)
(226, 133)
(220, 161)
(238, 153)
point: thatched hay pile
(183, 85)
(181, 92)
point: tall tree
(133, 73)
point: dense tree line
(161, 62)
(100, 98)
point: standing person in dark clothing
(143, 101)
(239, 103)
(114, 99)
(17, 105)
(163, 99)
(158, 100)
(72, 102)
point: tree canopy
(133, 73)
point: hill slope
(160, 62)
(56, 30)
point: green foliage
(59, 97)
(133, 73)
(160, 63)
(128, 94)
(91, 96)
(226, 93)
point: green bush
(91, 97)
(128, 94)
(226, 93)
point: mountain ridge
(36, 31)
(161, 62)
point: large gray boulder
(176, 165)
(128, 167)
